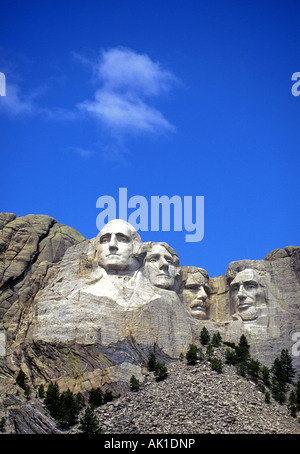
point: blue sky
(169, 97)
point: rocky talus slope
(194, 399)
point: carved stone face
(246, 294)
(116, 247)
(195, 294)
(159, 267)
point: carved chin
(163, 282)
(198, 312)
(249, 314)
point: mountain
(86, 313)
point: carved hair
(147, 247)
(193, 270)
(260, 276)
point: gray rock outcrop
(87, 313)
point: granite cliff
(87, 313)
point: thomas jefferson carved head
(195, 291)
(117, 246)
(161, 265)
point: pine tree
(253, 368)
(279, 390)
(89, 423)
(242, 350)
(68, 409)
(108, 397)
(151, 362)
(2, 423)
(265, 371)
(41, 391)
(201, 355)
(277, 370)
(297, 391)
(267, 397)
(204, 336)
(209, 351)
(282, 368)
(80, 400)
(134, 383)
(191, 354)
(216, 364)
(241, 368)
(95, 397)
(287, 364)
(161, 371)
(243, 342)
(216, 339)
(292, 405)
(21, 379)
(231, 357)
(52, 399)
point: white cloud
(17, 103)
(121, 68)
(129, 81)
(14, 103)
(126, 86)
(124, 112)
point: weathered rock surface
(87, 313)
(278, 313)
(27, 417)
(288, 251)
(191, 400)
(196, 400)
(29, 246)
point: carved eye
(250, 286)
(123, 239)
(191, 287)
(234, 288)
(104, 239)
(152, 259)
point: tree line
(276, 381)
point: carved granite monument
(115, 296)
(161, 265)
(195, 291)
(88, 313)
(248, 295)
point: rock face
(29, 246)
(87, 313)
(275, 322)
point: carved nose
(113, 243)
(241, 294)
(201, 295)
(163, 264)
